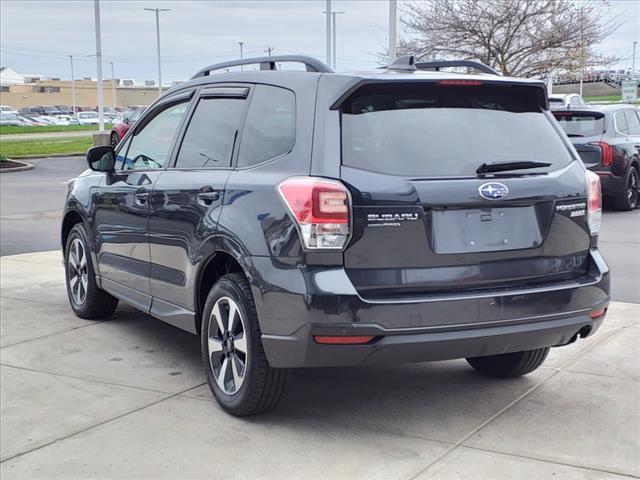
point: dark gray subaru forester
(309, 219)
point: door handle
(207, 198)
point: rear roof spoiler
(407, 63)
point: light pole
(241, 55)
(328, 28)
(633, 61)
(269, 50)
(96, 8)
(73, 85)
(333, 27)
(157, 12)
(393, 13)
(113, 88)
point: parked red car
(120, 129)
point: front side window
(441, 130)
(633, 122)
(211, 133)
(151, 146)
(270, 129)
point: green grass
(6, 130)
(21, 148)
(606, 98)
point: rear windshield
(581, 124)
(431, 130)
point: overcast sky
(36, 36)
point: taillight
(594, 202)
(607, 153)
(321, 209)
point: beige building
(58, 92)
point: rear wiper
(506, 166)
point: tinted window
(581, 124)
(211, 133)
(633, 122)
(621, 123)
(151, 146)
(270, 129)
(432, 130)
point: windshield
(581, 124)
(432, 130)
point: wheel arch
(70, 219)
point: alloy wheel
(632, 188)
(227, 345)
(77, 272)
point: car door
(187, 199)
(121, 203)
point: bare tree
(517, 37)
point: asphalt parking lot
(126, 398)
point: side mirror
(126, 120)
(101, 159)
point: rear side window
(211, 133)
(633, 122)
(435, 130)
(270, 128)
(581, 124)
(621, 123)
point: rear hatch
(426, 222)
(585, 129)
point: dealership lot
(127, 398)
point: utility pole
(269, 50)
(328, 28)
(333, 15)
(73, 86)
(157, 12)
(113, 89)
(393, 14)
(633, 61)
(96, 8)
(241, 55)
(582, 56)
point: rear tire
(628, 199)
(510, 365)
(86, 299)
(236, 366)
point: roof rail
(438, 64)
(267, 63)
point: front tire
(86, 299)
(628, 199)
(236, 366)
(510, 365)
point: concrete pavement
(126, 398)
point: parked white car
(50, 120)
(559, 101)
(88, 118)
(7, 110)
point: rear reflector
(460, 82)
(594, 202)
(343, 340)
(597, 313)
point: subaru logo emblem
(493, 191)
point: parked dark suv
(307, 219)
(607, 139)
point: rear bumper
(300, 302)
(612, 185)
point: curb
(50, 155)
(22, 168)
